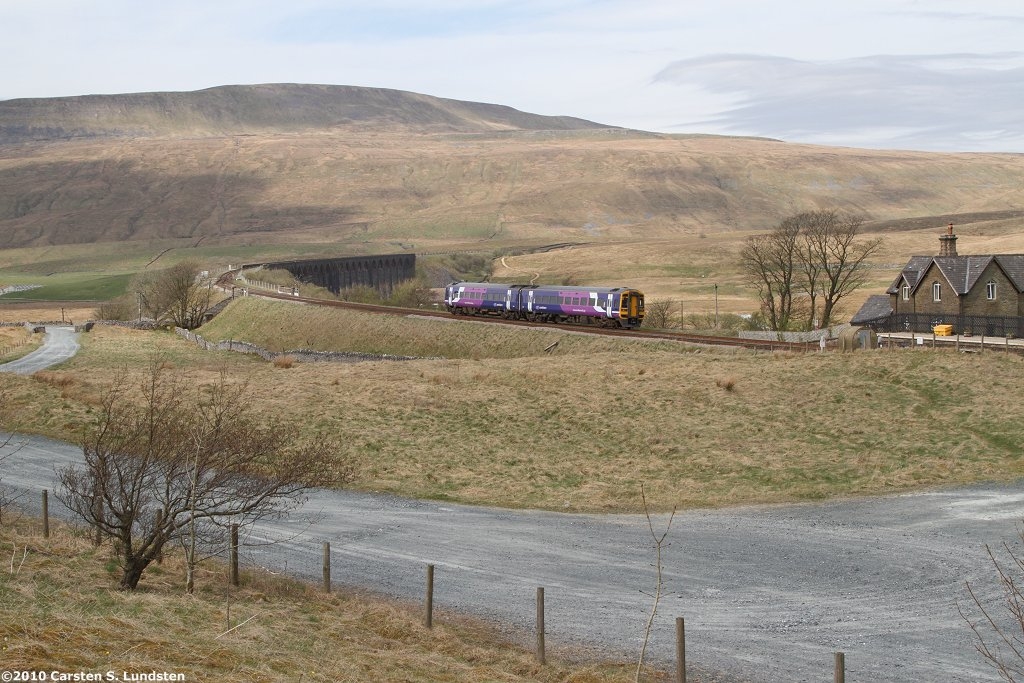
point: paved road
(768, 593)
(59, 344)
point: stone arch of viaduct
(381, 272)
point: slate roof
(1013, 266)
(876, 308)
(962, 272)
(911, 274)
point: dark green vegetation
(76, 287)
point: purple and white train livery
(607, 306)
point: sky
(935, 75)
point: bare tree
(180, 462)
(819, 253)
(770, 261)
(835, 258)
(999, 628)
(177, 295)
(813, 226)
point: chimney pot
(947, 243)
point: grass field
(501, 422)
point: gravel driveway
(768, 593)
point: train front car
(606, 306)
(631, 308)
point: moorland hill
(365, 170)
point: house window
(936, 291)
(906, 292)
(990, 290)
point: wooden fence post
(428, 611)
(327, 567)
(234, 554)
(540, 625)
(46, 514)
(840, 676)
(680, 651)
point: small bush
(54, 379)
(284, 362)
(727, 383)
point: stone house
(981, 294)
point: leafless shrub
(284, 362)
(177, 295)
(999, 628)
(657, 313)
(659, 543)
(10, 442)
(122, 308)
(181, 462)
(54, 379)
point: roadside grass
(60, 610)
(16, 342)
(582, 427)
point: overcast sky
(944, 75)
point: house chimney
(947, 243)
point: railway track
(755, 344)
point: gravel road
(59, 344)
(768, 593)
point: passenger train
(606, 306)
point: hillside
(369, 170)
(256, 109)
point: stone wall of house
(1006, 303)
(924, 301)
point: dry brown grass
(45, 312)
(16, 342)
(60, 610)
(583, 427)
(284, 362)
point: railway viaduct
(381, 272)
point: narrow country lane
(59, 344)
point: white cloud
(942, 102)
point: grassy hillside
(583, 426)
(250, 109)
(315, 169)
(250, 173)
